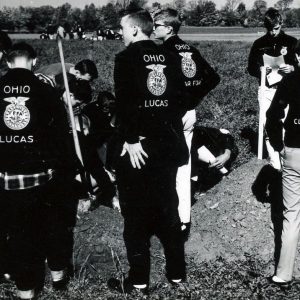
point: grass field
(217, 33)
(232, 105)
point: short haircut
(105, 94)
(5, 42)
(21, 49)
(81, 89)
(109, 96)
(272, 18)
(87, 66)
(169, 17)
(139, 17)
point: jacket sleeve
(275, 114)
(210, 79)
(126, 99)
(254, 61)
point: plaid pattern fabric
(21, 182)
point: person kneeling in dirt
(81, 96)
(101, 136)
(83, 70)
(37, 165)
(213, 151)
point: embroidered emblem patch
(16, 115)
(156, 81)
(188, 66)
(283, 50)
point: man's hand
(221, 160)
(268, 70)
(286, 69)
(136, 153)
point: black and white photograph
(149, 149)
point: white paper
(273, 62)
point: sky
(81, 3)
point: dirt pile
(229, 221)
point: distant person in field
(274, 43)
(85, 69)
(288, 145)
(199, 79)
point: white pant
(264, 105)
(183, 178)
(291, 213)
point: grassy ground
(214, 280)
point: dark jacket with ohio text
(199, 77)
(33, 126)
(149, 102)
(288, 93)
(282, 44)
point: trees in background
(194, 12)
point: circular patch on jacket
(16, 117)
(283, 50)
(188, 65)
(156, 81)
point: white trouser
(183, 178)
(291, 213)
(264, 104)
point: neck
(168, 36)
(141, 38)
(21, 63)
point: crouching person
(37, 163)
(213, 151)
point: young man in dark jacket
(149, 112)
(274, 43)
(199, 79)
(288, 145)
(37, 162)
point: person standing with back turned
(149, 112)
(199, 79)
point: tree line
(91, 18)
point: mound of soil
(228, 221)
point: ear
(9, 64)
(169, 30)
(135, 30)
(34, 62)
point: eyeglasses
(158, 25)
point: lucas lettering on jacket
(16, 139)
(156, 103)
